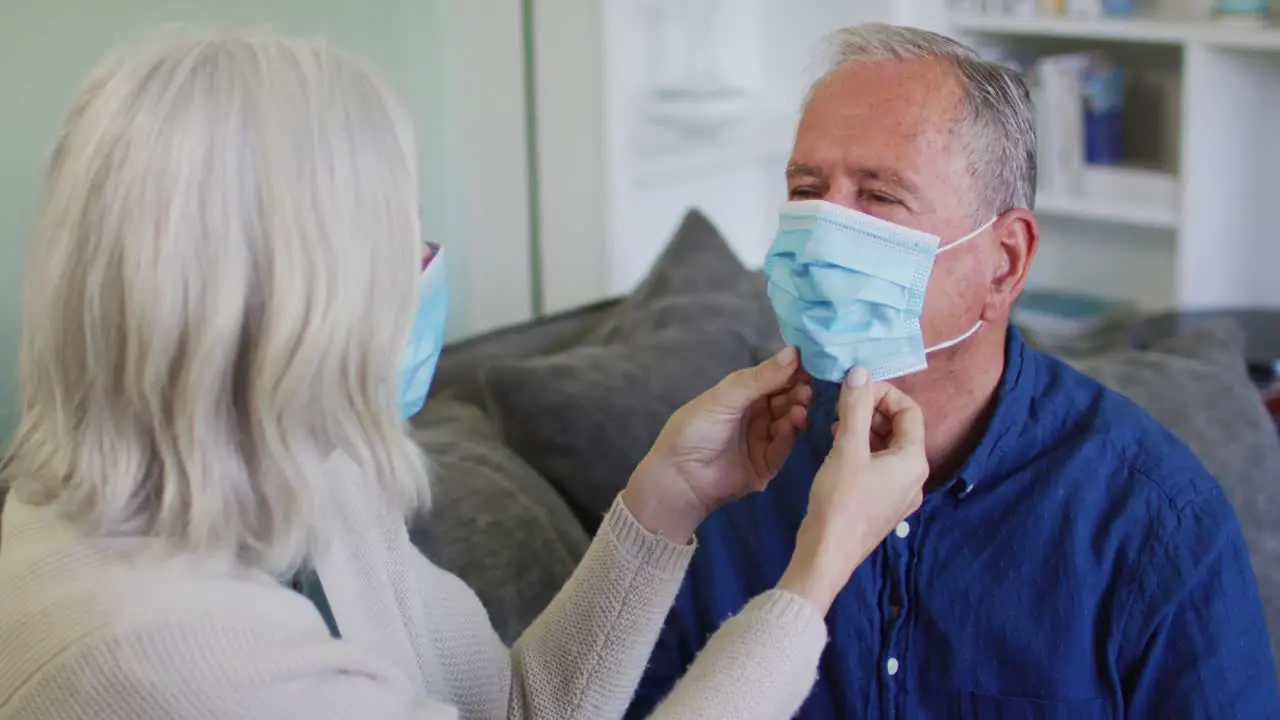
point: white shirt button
(892, 666)
(902, 530)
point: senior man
(1071, 559)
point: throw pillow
(494, 522)
(696, 260)
(458, 374)
(769, 336)
(1196, 384)
(585, 418)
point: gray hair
(996, 125)
(219, 288)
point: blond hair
(218, 291)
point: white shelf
(1120, 212)
(1129, 30)
(662, 155)
(1266, 39)
(1153, 31)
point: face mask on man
(426, 337)
(848, 289)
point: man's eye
(881, 198)
(804, 193)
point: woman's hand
(723, 444)
(864, 488)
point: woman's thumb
(747, 385)
(856, 408)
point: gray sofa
(533, 429)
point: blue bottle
(1103, 88)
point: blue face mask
(848, 289)
(426, 337)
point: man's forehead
(911, 96)
(883, 120)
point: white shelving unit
(1151, 30)
(1118, 211)
(1219, 246)
(1215, 242)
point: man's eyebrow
(890, 177)
(803, 170)
(885, 175)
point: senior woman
(212, 470)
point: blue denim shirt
(1081, 564)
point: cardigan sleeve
(583, 657)
(760, 664)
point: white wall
(489, 161)
(571, 64)
(457, 62)
(606, 213)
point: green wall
(47, 47)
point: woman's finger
(758, 418)
(742, 388)
(782, 430)
(878, 444)
(781, 403)
(802, 394)
(881, 424)
(856, 404)
(799, 417)
(914, 501)
(768, 455)
(905, 417)
(778, 405)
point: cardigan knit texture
(95, 628)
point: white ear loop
(978, 324)
(974, 329)
(954, 341)
(970, 236)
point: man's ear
(1017, 237)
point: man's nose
(843, 192)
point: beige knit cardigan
(94, 629)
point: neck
(957, 395)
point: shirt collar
(1014, 396)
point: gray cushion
(458, 374)
(1197, 386)
(493, 522)
(585, 418)
(752, 290)
(696, 260)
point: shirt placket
(898, 551)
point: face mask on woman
(426, 336)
